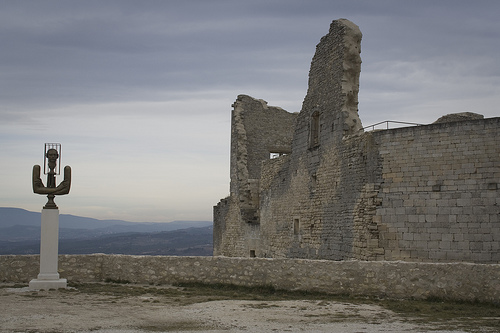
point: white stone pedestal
(49, 251)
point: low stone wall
(393, 279)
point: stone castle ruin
(334, 191)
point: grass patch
(447, 314)
(254, 293)
(119, 281)
(15, 285)
(174, 327)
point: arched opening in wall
(314, 130)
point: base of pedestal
(37, 284)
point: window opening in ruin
(314, 180)
(252, 253)
(315, 130)
(275, 155)
(296, 226)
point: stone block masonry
(427, 193)
(439, 197)
(396, 279)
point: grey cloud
(159, 77)
(94, 51)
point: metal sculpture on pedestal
(49, 242)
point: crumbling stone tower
(333, 191)
(258, 131)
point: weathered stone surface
(427, 193)
(385, 279)
(257, 131)
(459, 117)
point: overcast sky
(139, 93)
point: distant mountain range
(20, 234)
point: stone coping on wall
(392, 279)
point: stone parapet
(395, 279)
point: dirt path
(22, 310)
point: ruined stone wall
(221, 214)
(332, 88)
(257, 130)
(230, 234)
(330, 111)
(440, 192)
(427, 193)
(322, 210)
(307, 211)
(401, 280)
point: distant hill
(20, 234)
(15, 223)
(183, 242)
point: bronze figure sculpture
(51, 189)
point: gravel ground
(23, 310)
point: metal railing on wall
(386, 125)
